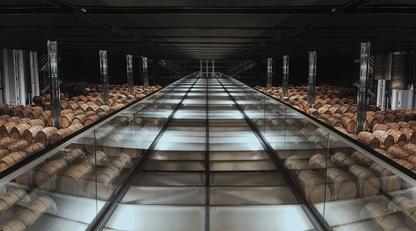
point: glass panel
(67, 187)
(52, 194)
(369, 193)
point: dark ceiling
(210, 29)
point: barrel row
(77, 172)
(390, 132)
(27, 209)
(347, 176)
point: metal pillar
(285, 74)
(207, 67)
(200, 66)
(105, 88)
(311, 78)
(55, 82)
(381, 94)
(14, 76)
(130, 83)
(213, 68)
(144, 72)
(362, 88)
(269, 72)
(34, 73)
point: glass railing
(349, 186)
(68, 186)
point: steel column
(285, 85)
(269, 72)
(362, 88)
(311, 78)
(105, 88)
(130, 83)
(207, 67)
(34, 73)
(55, 82)
(213, 68)
(144, 72)
(381, 94)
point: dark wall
(330, 70)
(85, 67)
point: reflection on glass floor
(245, 190)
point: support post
(285, 74)
(213, 68)
(200, 66)
(144, 72)
(130, 83)
(34, 73)
(362, 87)
(269, 72)
(55, 82)
(381, 94)
(311, 78)
(104, 76)
(207, 67)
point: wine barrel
(334, 122)
(73, 181)
(17, 131)
(313, 112)
(18, 146)
(368, 184)
(34, 147)
(74, 155)
(314, 187)
(48, 176)
(360, 158)
(122, 161)
(406, 206)
(11, 159)
(37, 122)
(410, 148)
(341, 184)
(5, 142)
(11, 197)
(46, 117)
(334, 110)
(389, 181)
(319, 161)
(296, 163)
(60, 134)
(368, 139)
(6, 128)
(410, 134)
(91, 119)
(66, 119)
(386, 140)
(341, 159)
(13, 225)
(4, 152)
(103, 188)
(412, 159)
(399, 138)
(30, 134)
(45, 134)
(405, 163)
(100, 158)
(79, 119)
(381, 127)
(397, 152)
(349, 124)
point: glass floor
(208, 171)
